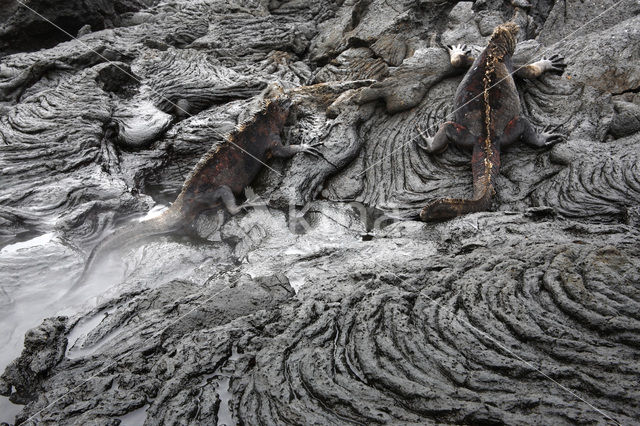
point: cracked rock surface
(329, 303)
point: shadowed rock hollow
(330, 304)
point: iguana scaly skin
(487, 118)
(219, 176)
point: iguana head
(277, 109)
(503, 39)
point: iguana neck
(503, 41)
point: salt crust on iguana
(219, 176)
(487, 118)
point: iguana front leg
(281, 151)
(554, 63)
(460, 55)
(289, 151)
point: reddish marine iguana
(487, 118)
(218, 177)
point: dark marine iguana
(219, 176)
(487, 118)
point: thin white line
(546, 376)
(117, 358)
(477, 96)
(139, 81)
(494, 340)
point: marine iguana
(219, 176)
(487, 118)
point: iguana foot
(314, 142)
(427, 136)
(554, 63)
(548, 137)
(249, 204)
(252, 200)
(312, 150)
(458, 49)
(458, 54)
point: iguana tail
(486, 167)
(169, 221)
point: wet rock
(617, 47)
(391, 48)
(44, 348)
(568, 19)
(524, 309)
(120, 376)
(462, 27)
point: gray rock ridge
(330, 304)
(483, 325)
(25, 30)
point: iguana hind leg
(449, 207)
(433, 143)
(448, 132)
(224, 195)
(512, 132)
(521, 127)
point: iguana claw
(459, 55)
(315, 142)
(460, 49)
(554, 139)
(551, 138)
(550, 128)
(311, 150)
(427, 136)
(251, 204)
(554, 63)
